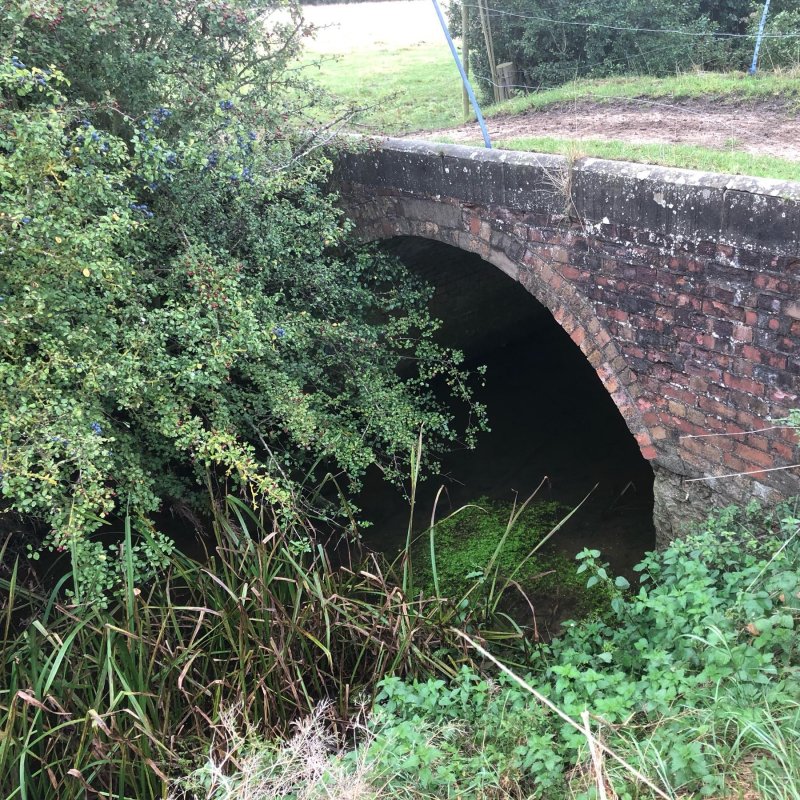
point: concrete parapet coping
(754, 213)
(789, 190)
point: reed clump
(116, 698)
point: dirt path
(764, 128)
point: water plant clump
(486, 544)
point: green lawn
(405, 90)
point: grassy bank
(418, 88)
(684, 688)
(669, 155)
(195, 683)
(782, 86)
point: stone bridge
(681, 288)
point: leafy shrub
(781, 52)
(126, 58)
(70, 306)
(554, 42)
(182, 310)
(692, 672)
(471, 737)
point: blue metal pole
(467, 84)
(754, 65)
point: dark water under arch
(549, 413)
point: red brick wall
(690, 337)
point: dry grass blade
(597, 759)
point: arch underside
(537, 268)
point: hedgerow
(551, 43)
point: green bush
(472, 738)
(126, 58)
(686, 678)
(182, 309)
(781, 52)
(554, 42)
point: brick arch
(385, 217)
(680, 288)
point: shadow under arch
(542, 277)
(549, 409)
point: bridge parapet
(681, 288)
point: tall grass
(118, 698)
(204, 674)
(113, 698)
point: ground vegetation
(185, 322)
(684, 686)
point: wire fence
(499, 12)
(573, 70)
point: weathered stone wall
(681, 288)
